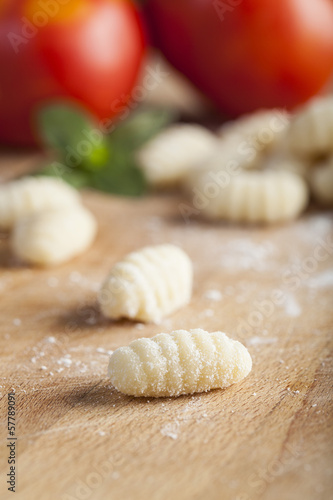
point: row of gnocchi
(261, 168)
(48, 223)
(146, 286)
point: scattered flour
(255, 341)
(171, 430)
(291, 306)
(322, 280)
(245, 254)
(215, 295)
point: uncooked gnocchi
(148, 284)
(183, 362)
(311, 130)
(321, 182)
(255, 197)
(261, 130)
(33, 194)
(167, 158)
(53, 236)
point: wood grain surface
(267, 438)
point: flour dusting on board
(322, 280)
(291, 306)
(245, 254)
(259, 341)
(171, 430)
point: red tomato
(86, 50)
(248, 54)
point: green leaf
(73, 133)
(122, 177)
(75, 177)
(141, 126)
(89, 159)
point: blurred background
(87, 82)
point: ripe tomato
(248, 54)
(86, 50)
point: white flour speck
(17, 322)
(213, 295)
(171, 430)
(253, 341)
(291, 306)
(322, 280)
(64, 361)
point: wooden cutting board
(269, 437)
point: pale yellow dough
(148, 284)
(168, 157)
(249, 197)
(311, 130)
(183, 362)
(31, 195)
(54, 236)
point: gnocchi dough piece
(253, 197)
(281, 162)
(311, 130)
(183, 362)
(148, 284)
(167, 158)
(33, 194)
(321, 182)
(260, 130)
(54, 236)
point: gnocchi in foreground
(53, 236)
(251, 197)
(148, 284)
(183, 362)
(33, 194)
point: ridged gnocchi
(53, 236)
(148, 284)
(183, 362)
(321, 182)
(262, 130)
(33, 194)
(311, 130)
(167, 158)
(252, 197)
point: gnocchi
(33, 194)
(262, 129)
(167, 158)
(311, 130)
(183, 362)
(53, 236)
(255, 197)
(148, 284)
(321, 182)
